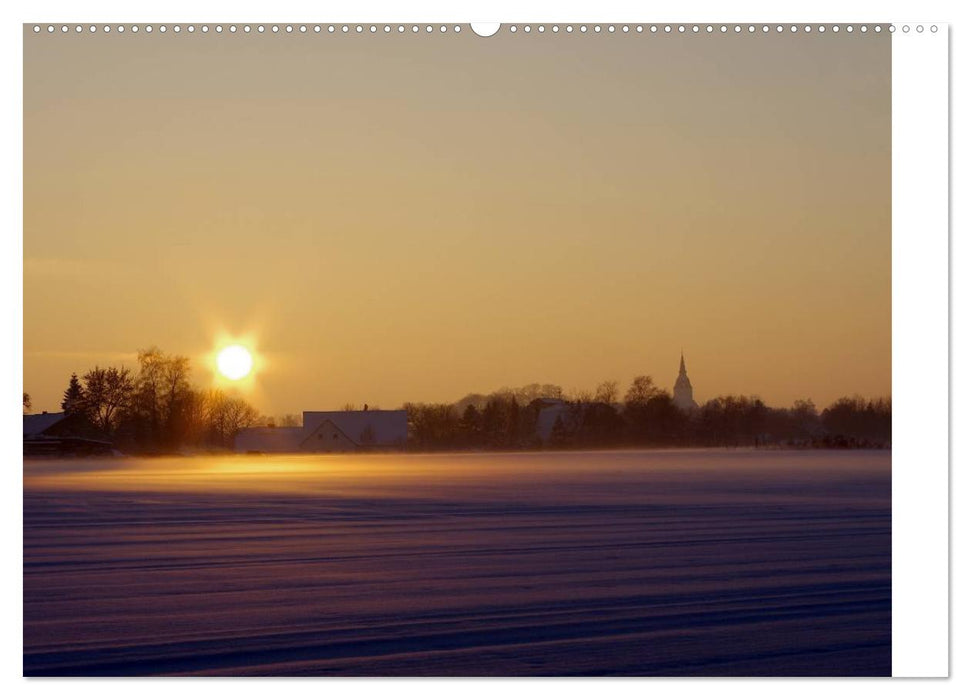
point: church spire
(683, 394)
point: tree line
(155, 408)
(541, 416)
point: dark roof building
(40, 424)
(62, 435)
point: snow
(680, 562)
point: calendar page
(450, 349)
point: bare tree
(108, 391)
(149, 387)
(194, 416)
(580, 396)
(162, 392)
(214, 414)
(237, 414)
(176, 375)
(225, 416)
(642, 390)
(607, 392)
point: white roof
(382, 428)
(366, 428)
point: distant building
(683, 393)
(330, 431)
(62, 435)
(37, 425)
(547, 413)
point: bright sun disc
(234, 362)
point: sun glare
(234, 362)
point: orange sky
(395, 218)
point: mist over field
(649, 562)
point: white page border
(920, 351)
(926, 504)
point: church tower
(683, 393)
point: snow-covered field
(633, 563)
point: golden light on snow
(234, 362)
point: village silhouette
(156, 410)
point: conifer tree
(73, 402)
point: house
(547, 413)
(330, 431)
(62, 435)
(38, 425)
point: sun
(234, 362)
